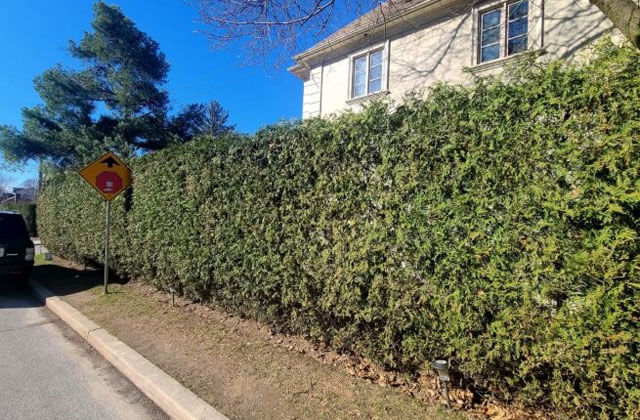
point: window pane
(491, 52)
(360, 64)
(12, 226)
(359, 81)
(491, 36)
(375, 85)
(375, 72)
(517, 45)
(491, 19)
(359, 78)
(518, 10)
(358, 90)
(518, 27)
(376, 58)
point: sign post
(109, 176)
(106, 249)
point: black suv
(16, 249)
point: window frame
(384, 83)
(481, 14)
(504, 30)
(364, 56)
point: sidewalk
(39, 248)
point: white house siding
(572, 25)
(312, 101)
(439, 48)
(335, 89)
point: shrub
(28, 211)
(495, 225)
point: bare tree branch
(274, 30)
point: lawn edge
(173, 398)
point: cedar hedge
(28, 211)
(494, 225)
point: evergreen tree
(116, 100)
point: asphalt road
(48, 372)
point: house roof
(384, 13)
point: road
(48, 372)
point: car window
(12, 226)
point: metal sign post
(109, 176)
(106, 249)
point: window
(514, 17)
(490, 36)
(517, 27)
(367, 77)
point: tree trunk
(625, 15)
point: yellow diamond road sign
(108, 175)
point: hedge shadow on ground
(68, 280)
(15, 297)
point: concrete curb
(168, 394)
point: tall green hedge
(495, 225)
(28, 211)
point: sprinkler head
(442, 368)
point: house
(24, 194)
(6, 197)
(404, 45)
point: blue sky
(34, 36)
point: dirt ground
(239, 366)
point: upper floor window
(504, 31)
(367, 73)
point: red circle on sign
(108, 182)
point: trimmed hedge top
(494, 225)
